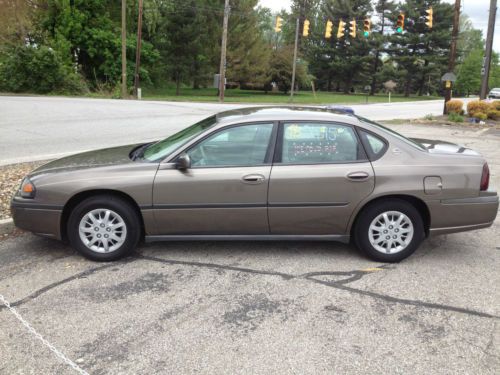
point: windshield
(394, 133)
(159, 150)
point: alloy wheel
(390, 232)
(102, 230)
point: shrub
(493, 113)
(455, 106)
(477, 107)
(455, 117)
(38, 69)
(495, 105)
(429, 117)
(481, 116)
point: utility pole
(138, 51)
(294, 58)
(485, 71)
(222, 70)
(453, 51)
(124, 49)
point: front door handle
(358, 176)
(253, 179)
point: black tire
(118, 205)
(368, 214)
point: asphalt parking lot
(260, 308)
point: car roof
(284, 113)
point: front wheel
(389, 231)
(104, 228)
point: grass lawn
(252, 96)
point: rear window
(392, 132)
(375, 146)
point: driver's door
(224, 191)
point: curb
(6, 226)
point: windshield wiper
(139, 151)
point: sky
(477, 10)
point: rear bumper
(39, 219)
(459, 215)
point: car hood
(443, 147)
(89, 159)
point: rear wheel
(104, 228)
(389, 230)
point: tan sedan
(270, 173)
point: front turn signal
(27, 189)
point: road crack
(346, 278)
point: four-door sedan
(268, 173)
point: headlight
(27, 189)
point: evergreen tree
(420, 52)
(247, 52)
(379, 38)
(349, 57)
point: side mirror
(183, 162)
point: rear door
(225, 190)
(319, 175)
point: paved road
(39, 128)
(260, 308)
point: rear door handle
(358, 176)
(253, 179)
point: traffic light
(428, 17)
(279, 22)
(328, 31)
(401, 23)
(352, 28)
(305, 29)
(341, 31)
(367, 26)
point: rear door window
(315, 143)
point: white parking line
(31, 330)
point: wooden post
(294, 59)
(485, 71)
(222, 70)
(138, 50)
(124, 49)
(453, 50)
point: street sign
(449, 77)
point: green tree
(420, 52)
(469, 73)
(379, 39)
(178, 49)
(280, 69)
(247, 53)
(469, 38)
(349, 57)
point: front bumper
(459, 215)
(40, 219)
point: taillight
(485, 178)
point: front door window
(244, 145)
